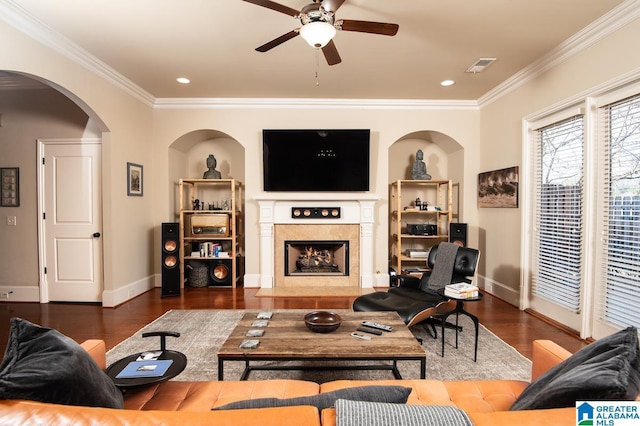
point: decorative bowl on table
(322, 321)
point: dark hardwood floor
(86, 321)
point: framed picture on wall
(135, 182)
(10, 181)
(498, 188)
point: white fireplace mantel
(277, 210)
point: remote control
(376, 325)
(370, 330)
(360, 336)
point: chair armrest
(546, 354)
(410, 281)
(97, 350)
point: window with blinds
(619, 298)
(558, 248)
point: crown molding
(599, 29)
(313, 103)
(13, 14)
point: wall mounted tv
(316, 160)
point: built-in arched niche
(188, 158)
(443, 155)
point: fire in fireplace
(316, 258)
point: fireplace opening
(316, 258)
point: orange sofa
(174, 402)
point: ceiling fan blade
(368, 27)
(277, 41)
(331, 53)
(332, 5)
(275, 6)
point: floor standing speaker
(458, 234)
(221, 273)
(170, 255)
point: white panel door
(72, 221)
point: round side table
(177, 366)
(459, 310)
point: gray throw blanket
(359, 413)
(443, 266)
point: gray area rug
(203, 331)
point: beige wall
(502, 143)
(125, 121)
(473, 140)
(29, 115)
(388, 127)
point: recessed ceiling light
(446, 83)
(183, 80)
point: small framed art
(135, 183)
(10, 180)
(498, 188)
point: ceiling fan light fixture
(317, 33)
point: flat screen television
(316, 160)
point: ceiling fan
(319, 26)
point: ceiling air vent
(480, 65)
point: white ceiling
(212, 42)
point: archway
(35, 109)
(188, 154)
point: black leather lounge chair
(415, 299)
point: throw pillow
(607, 369)
(390, 394)
(357, 413)
(41, 364)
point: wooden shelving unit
(217, 198)
(403, 212)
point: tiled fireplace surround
(355, 224)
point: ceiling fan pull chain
(317, 66)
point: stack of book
(461, 291)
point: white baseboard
(112, 298)
(499, 290)
(381, 280)
(251, 280)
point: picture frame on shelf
(135, 180)
(499, 188)
(10, 181)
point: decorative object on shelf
(322, 321)
(419, 171)
(211, 172)
(498, 188)
(134, 180)
(10, 187)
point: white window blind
(619, 296)
(558, 250)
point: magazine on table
(152, 368)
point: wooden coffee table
(286, 338)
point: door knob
(96, 235)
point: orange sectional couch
(179, 403)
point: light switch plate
(11, 220)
